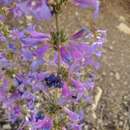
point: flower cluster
(46, 78)
(45, 9)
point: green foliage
(58, 37)
(4, 29)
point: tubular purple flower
(46, 123)
(36, 64)
(43, 11)
(16, 34)
(34, 38)
(2, 17)
(2, 37)
(5, 2)
(73, 116)
(78, 85)
(39, 9)
(65, 91)
(94, 4)
(66, 55)
(26, 54)
(81, 33)
(3, 89)
(41, 51)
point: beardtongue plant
(47, 79)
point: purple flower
(80, 88)
(4, 63)
(42, 11)
(12, 47)
(73, 116)
(66, 91)
(16, 34)
(46, 123)
(5, 2)
(94, 4)
(2, 17)
(3, 90)
(34, 38)
(78, 85)
(26, 54)
(15, 113)
(71, 53)
(66, 55)
(41, 51)
(36, 64)
(39, 9)
(54, 81)
(2, 37)
(81, 33)
(30, 98)
(17, 12)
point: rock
(121, 123)
(111, 48)
(117, 76)
(124, 28)
(104, 73)
(77, 13)
(111, 73)
(126, 114)
(6, 127)
(125, 83)
(112, 84)
(122, 19)
(113, 42)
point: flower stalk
(58, 39)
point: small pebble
(6, 127)
(121, 123)
(125, 83)
(112, 84)
(111, 48)
(125, 114)
(104, 73)
(122, 19)
(76, 13)
(111, 73)
(113, 42)
(124, 28)
(117, 76)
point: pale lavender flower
(5, 2)
(2, 37)
(46, 123)
(94, 4)
(73, 116)
(39, 9)
(77, 126)
(36, 64)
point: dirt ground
(114, 108)
(114, 78)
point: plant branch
(58, 40)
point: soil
(114, 78)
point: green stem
(58, 41)
(57, 22)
